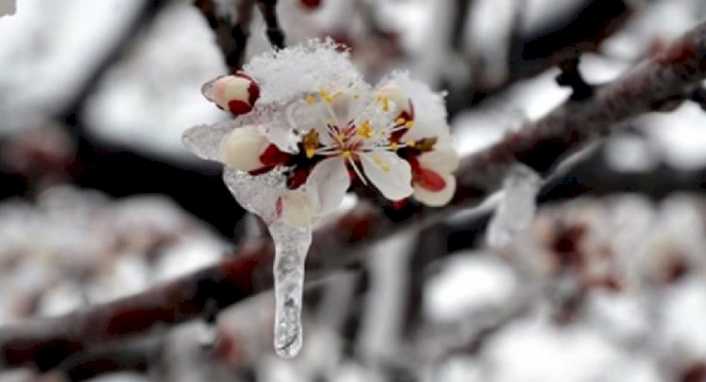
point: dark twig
(571, 77)
(699, 97)
(540, 145)
(232, 37)
(569, 35)
(268, 9)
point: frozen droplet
(517, 207)
(291, 247)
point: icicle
(291, 247)
(517, 208)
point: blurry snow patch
(458, 369)
(489, 33)
(517, 207)
(623, 316)
(154, 95)
(534, 350)
(187, 257)
(680, 136)
(684, 309)
(122, 377)
(61, 299)
(479, 129)
(353, 372)
(600, 69)
(468, 283)
(659, 22)
(389, 265)
(627, 153)
(45, 52)
(128, 275)
(7, 7)
(19, 375)
(632, 368)
(278, 370)
(537, 13)
(538, 96)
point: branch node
(571, 77)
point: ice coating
(257, 194)
(291, 247)
(517, 207)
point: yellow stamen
(381, 163)
(394, 146)
(400, 121)
(409, 124)
(310, 142)
(384, 102)
(346, 154)
(410, 143)
(327, 97)
(365, 130)
(310, 99)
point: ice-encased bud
(236, 93)
(242, 147)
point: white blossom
(304, 115)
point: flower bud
(236, 93)
(241, 148)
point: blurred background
(99, 200)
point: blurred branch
(231, 37)
(143, 19)
(138, 356)
(531, 54)
(540, 145)
(268, 9)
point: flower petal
(391, 174)
(242, 147)
(205, 140)
(430, 111)
(442, 160)
(436, 198)
(328, 184)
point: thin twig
(268, 9)
(232, 37)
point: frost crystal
(517, 208)
(305, 127)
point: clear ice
(517, 207)
(259, 194)
(291, 247)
